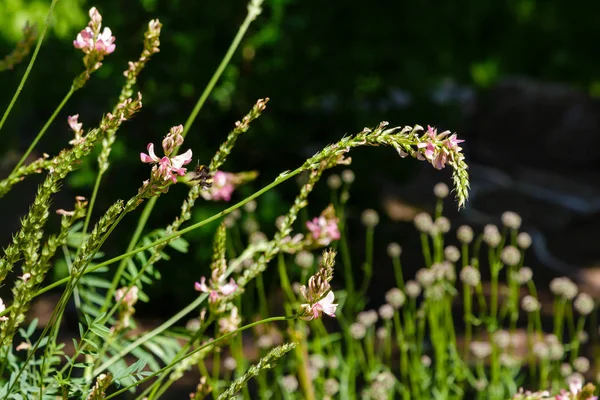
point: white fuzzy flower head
(564, 287)
(481, 349)
(464, 234)
(394, 250)
(334, 182)
(370, 218)
(491, 235)
(441, 190)
(367, 318)
(530, 304)
(386, 311)
(395, 298)
(452, 254)
(524, 240)
(524, 275)
(442, 224)
(511, 220)
(423, 222)
(348, 176)
(581, 364)
(358, 331)
(510, 255)
(470, 276)
(413, 289)
(584, 304)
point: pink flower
(222, 187)
(168, 167)
(2, 308)
(215, 292)
(324, 228)
(91, 40)
(74, 123)
(325, 305)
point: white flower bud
(334, 182)
(394, 250)
(413, 289)
(464, 233)
(441, 190)
(452, 254)
(524, 240)
(511, 220)
(370, 218)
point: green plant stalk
(262, 296)
(44, 129)
(368, 265)
(346, 259)
(88, 216)
(426, 249)
(130, 247)
(156, 390)
(211, 343)
(403, 347)
(30, 65)
(467, 300)
(251, 16)
(575, 343)
(283, 277)
(559, 313)
(439, 347)
(494, 272)
(216, 369)
(530, 353)
(370, 348)
(398, 272)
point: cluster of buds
(224, 184)
(151, 46)
(166, 169)
(318, 294)
(436, 148)
(230, 322)
(324, 228)
(22, 49)
(126, 299)
(95, 43)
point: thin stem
(88, 216)
(134, 239)
(224, 62)
(30, 66)
(210, 343)
(44, 129)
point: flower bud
(358, 331)
(367, 318)
(481, 349)
(530, 304)
(524, 275)
(386, 311)
(581, 364)
(423, 222)
(442, 224)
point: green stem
(30, 66)
(252, 14)
(123, 264)
(88, 216)
(210, 343)
(44, 129)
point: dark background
(518, 79)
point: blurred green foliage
(330, 68)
